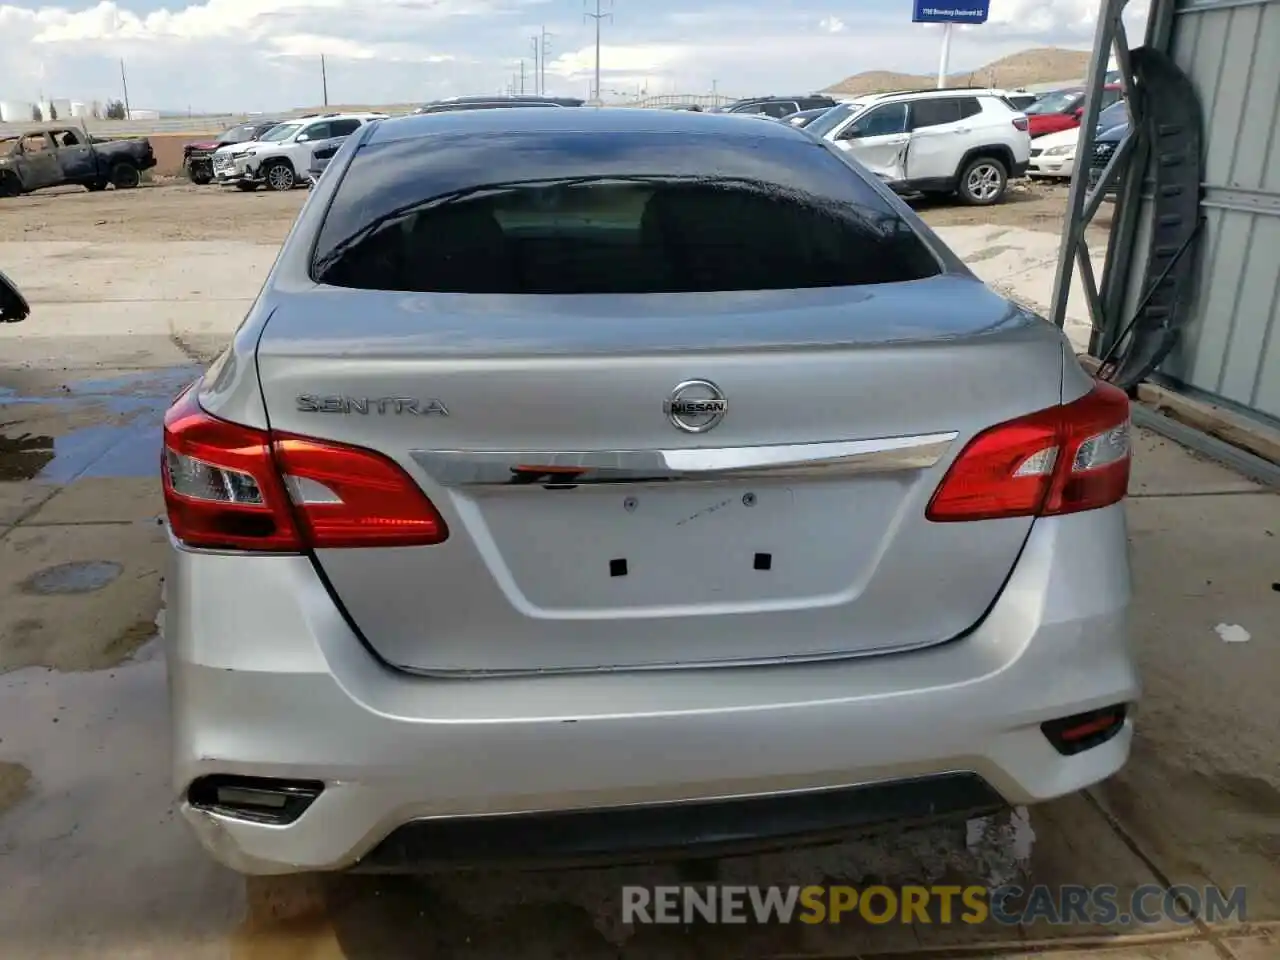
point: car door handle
(962, 130)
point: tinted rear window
(622, 212)
(934, 113)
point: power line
(597, 17)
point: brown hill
(1043, 65)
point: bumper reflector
(1084, 731)
(260, 799)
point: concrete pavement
(95, 864)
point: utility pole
(545, 49)
(537, 59)
(522, 76)
(125, 84)
(597, 17)
(324, 80)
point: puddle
(24, 456)
(123, 442)
(82, 576)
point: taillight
(352, 497)
(1062, 460)
(232, 487)
(1022, 123)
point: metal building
(1227, 347)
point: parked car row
(1054, 154)
(285, 153)
(197, 158)
(65, 153)
(778, 107)
(280, 158)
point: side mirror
(303, 138)
(13, 306)
(1078, 112)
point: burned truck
(57, 154)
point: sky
(262, 55)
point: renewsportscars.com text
(940, 904)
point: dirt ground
(176, 210)
(133, 290)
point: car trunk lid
(592, 529)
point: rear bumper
(720, 827)
(267, 680)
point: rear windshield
(565, 213)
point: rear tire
(280, 176)
(9, 185)
(125, 176)
(982, 182)
(200, 175)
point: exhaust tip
(1084, 731)
(257, 799)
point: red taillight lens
(1022, 123)
(1062, 460)
(351, 497)
(233, 487)
(221, 489)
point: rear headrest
(719, 238)
(460, 246)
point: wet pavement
(95, 863)
(109, 426)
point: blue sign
(951, 11)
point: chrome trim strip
(540, 468)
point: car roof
(333, 116)
(604, 120)
(27, 129)
(779, 96)
(929, 94)
(505, 98)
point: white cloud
(626, 60)
(262, 54)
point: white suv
(964, 141)
(281, 157)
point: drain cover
(82, 576)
